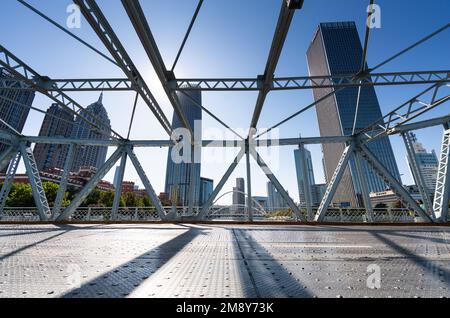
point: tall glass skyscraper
(178, 175)
(309, 173)
(58, 122)
(14, 106)
(91, 156)
(336, 50)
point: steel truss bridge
(401, 120)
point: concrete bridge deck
(169, 260)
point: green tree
(51, 191)
(106, 198)
(20, 195)
(147, 202)
(132, 200)
(93, 198)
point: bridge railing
(93, 214)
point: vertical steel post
(442, 192)
(192, 180)
(7, 184)
(35, 182)
(306, 182)
(334, 182)
(363, 185)
(118, 190)
(249, 182)
(64, 181)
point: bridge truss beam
(442, 192)
(309, 82)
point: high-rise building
(309, 173)
(428, 163)
(274, 199)
(206, 189)
(178, 175)
(58, 122)
(91, 156)
(336, 50)
(14, 106)
(317, 193)
(239, 194)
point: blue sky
(230, 39)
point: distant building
(128, 187)
(428, 162)
(94, 156)
(164, 198)
(206, 189)
(389, 198)
(309, 173)
(260, 203)
(336, 50)
(274, 199)
(58, 122)
(14, 106)
(178, 175)
(239, 195)
(317, 193)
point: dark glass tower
(336, 50)
(178, 175)
(91, 156)
(58, 122)
(14, 106)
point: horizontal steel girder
(309, 82)
(238, 84)
(217, 143)
(70, 85)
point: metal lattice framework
(396, 122)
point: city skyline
(295, 43)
